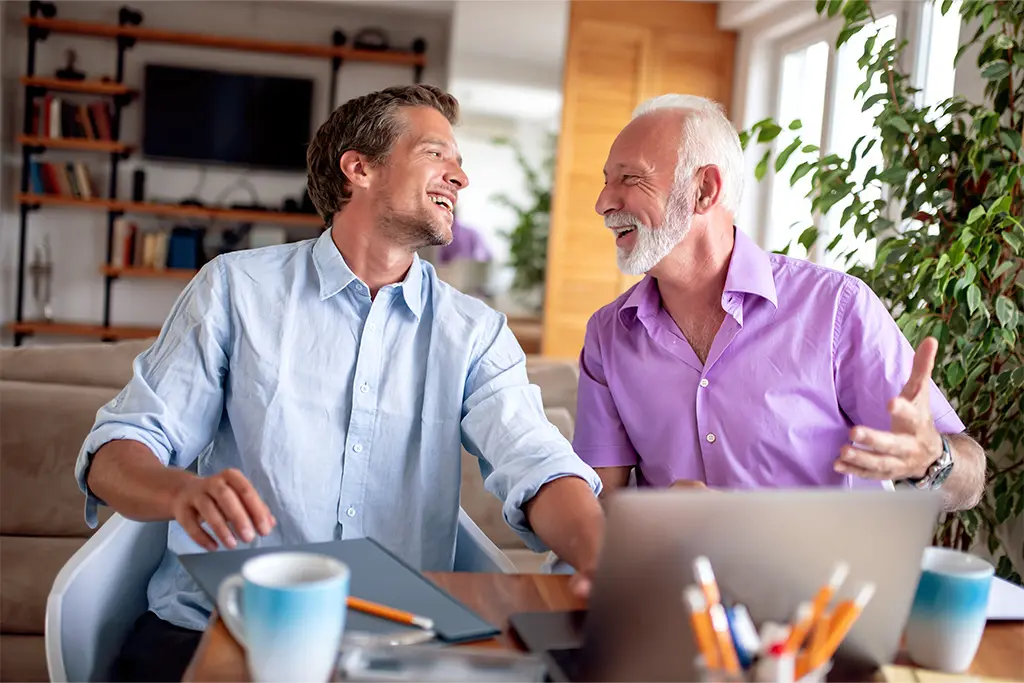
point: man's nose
(607, 202)
(457, 177)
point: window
(816, 85)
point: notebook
(377, 575)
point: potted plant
(944, 207)
(528, 240)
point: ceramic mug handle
(227, 605)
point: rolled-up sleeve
(174, 400)
(873, 361)
(504, 426)
(600, 438)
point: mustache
(622, 219)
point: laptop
(770, 550)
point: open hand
(228, 503)
(912, 444)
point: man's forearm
(567, 516)
(129, 478)
(966, 483)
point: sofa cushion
(558, 382)
(483, 507)
(28, 567)
(94, 364)
(44, 426)
(23, 658)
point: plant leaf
(785, 154)
(769, 132)
(1013, 240)
(900, 124)
(795, 125)
(1000, 205)
(1018, 59)
(808, 237)
(1006, 312)
(954, 374)
(975, 215)
(762, 166)
(995, 70)
(973, 298)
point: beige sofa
(48, 400)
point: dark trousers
(155, 650)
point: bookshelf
(98, 132)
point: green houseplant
(944, 208)
(528, 240)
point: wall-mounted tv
(201, 115)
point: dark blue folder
(377, 575)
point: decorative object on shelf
(69, 72)
(41, 270)
(949, 256)
(371, 38)
(528, 240)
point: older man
(732, 368)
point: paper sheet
(1005, 601)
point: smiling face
(640, 203)
(416, 188)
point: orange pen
(846, 613)
(700, 620)
(719, 621)
(391, 613)
(802, 623)
(821, 600)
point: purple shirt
(803, 354)
(466, 244)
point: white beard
(654, 244)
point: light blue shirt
(345, 413)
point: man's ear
(356, 167)
(709, 189)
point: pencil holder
(766, 670)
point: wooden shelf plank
(82, 330)
(82, 144)
(141, 33)
(89, 87)
(153, 273)
(305, 220)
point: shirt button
(358, 448)
(351, 512)
(710, 438)
(704, 382)
(364, 387)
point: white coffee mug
(291, 615)
(948, 616)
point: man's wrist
(938, 470)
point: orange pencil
(391, 613)
(802, 623)
(845, 615)
(818, 607)
(719, 621)
(702, 630)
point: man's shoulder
(448, 301)
(610, 313)
(801, 281)
(259, 258)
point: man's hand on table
(228, 503)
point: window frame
(912, 19)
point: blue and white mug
(948, 617)
(291, 614)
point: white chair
(101, 591)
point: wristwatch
(937, 472)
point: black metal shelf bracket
(419, 47)
(338, 39)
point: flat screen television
(248, 120)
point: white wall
(505, 67)
(78, 238)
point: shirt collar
(335, 275)
(750, 270)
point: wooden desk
(496, 596)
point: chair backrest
(101, 591)
(97, 597)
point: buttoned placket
(365, 390)
(707, 430)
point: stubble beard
(654, 244)
(413, 230)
